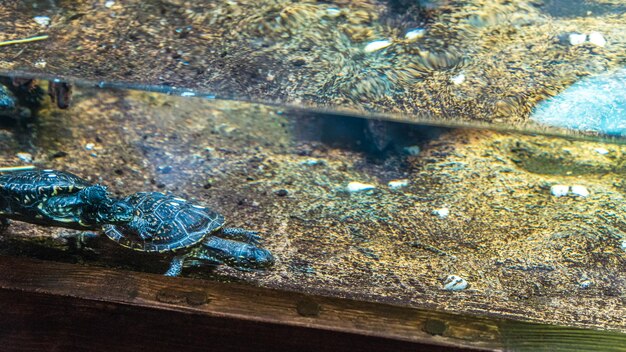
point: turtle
(8, 102)
(57, 198)
(20, 98)
(194, 234)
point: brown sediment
(525, 253)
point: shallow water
(371, 174)
(473, 203)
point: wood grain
(64, 306)
(51, 306)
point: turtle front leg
(176, 266)
(239, 234)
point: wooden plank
(40, 322)
(58, 307)
(63, 305)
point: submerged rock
(597, 38)
(415, 34)
(455, 283)
(377, 45)
(395, 184)
(442, 213)
(593, 104)
(358, 187)
(580, 191)
(559, 190)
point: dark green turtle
(57, 198)
(167, 224)
(8, 102)
(20, 98)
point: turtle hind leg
(239, 234)
(176, 266)
(80, 242)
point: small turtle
(8, 102)
(20, 98)
(56, 198)
(167, 224)
(28, 93)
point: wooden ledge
(56, 306)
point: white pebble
(454, 283)
(602, 151)
(41, 63)
(442, 213)
(377, 45)
(580, 191)
(312, 162)
(89, 146)
(109, 4)
(358, 186)
(414, 34)
(413, 150)
(25, 157)
(333, 12)
(43, 21)
(577, 38)
(623, 245)
(586, 284)
(187, 94)
(398, 183)
(597, 38)
(458, 79)
(559, 190)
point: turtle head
(115, 212)
(251, 257)
(106, 210)
(94, 195)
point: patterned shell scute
(31, 185)
(164, 223)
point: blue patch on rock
(595, 103)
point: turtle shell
(164, 223)
(28, 187)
